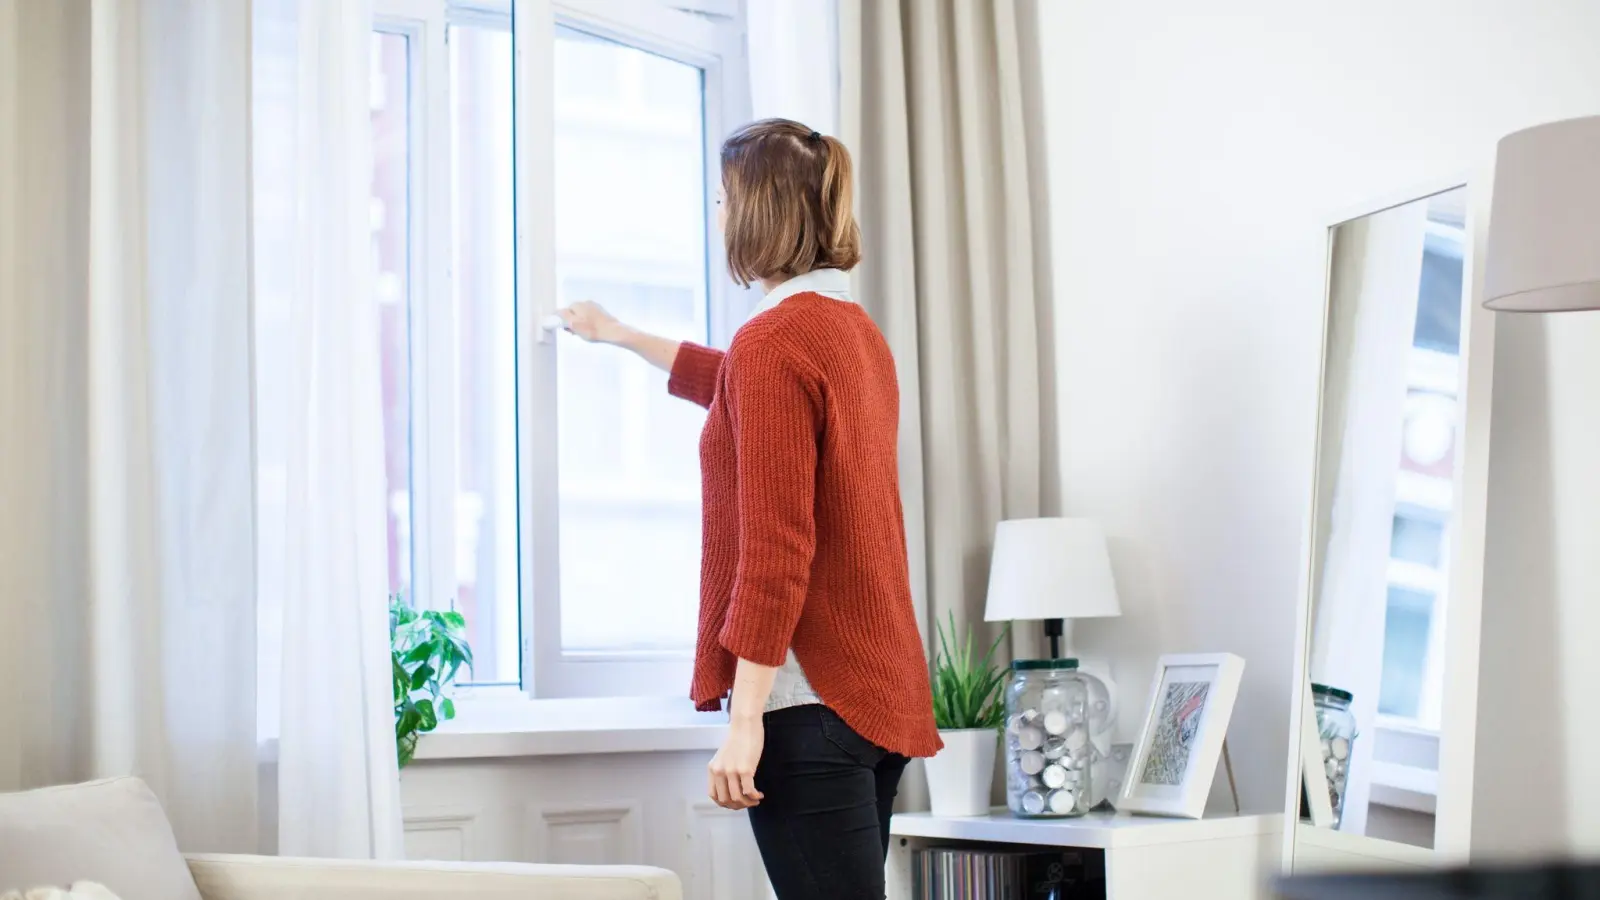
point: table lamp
(1544, 221)
(1056, 570)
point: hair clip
(815, 137)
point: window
(391, 231)
(631, 232)
(1419, 561)
(546, 488)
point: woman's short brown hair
(790, 202)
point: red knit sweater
(804, 540)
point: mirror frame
(1452, 836)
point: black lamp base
(1053, 629)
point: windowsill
(1409, 780)
(489, 726)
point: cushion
(112, 832)
(83, 890)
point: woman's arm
(733, 769)
(774, 417)
(656, 350)
(694, 369)
(591, 322)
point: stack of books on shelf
(953, 873)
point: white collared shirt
(790, 687)
(833, 283)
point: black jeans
(823, 822)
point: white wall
(1195, 152)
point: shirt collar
(834, 283)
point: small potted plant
(969, 711)
(427, 649)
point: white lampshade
(1050, 569)
(1544, 226)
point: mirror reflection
(1385, 520)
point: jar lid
(1335, 693)
(1036, 665)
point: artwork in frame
(1180, 740)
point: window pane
(630, 235)
(483, 293)
(1439, 297)
(391, 225)
(1417, 540)
(1405, 651)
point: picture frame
(1182, 733)
(1318, 805)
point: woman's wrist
(620, 334)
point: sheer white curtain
(126, 548)
(794, 61)
(1376, 273)
(323, 587)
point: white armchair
(273, 878)
(115, 833)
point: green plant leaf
(402, 614)
(447, 709)
(402, 679)
(429, 718)
(966, 690)
(419, 678)
(408, 722)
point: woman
(805, 601)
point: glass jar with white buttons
(1048, 747)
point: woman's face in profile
(722, 210)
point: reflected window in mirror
(1413, 665)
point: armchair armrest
(274, 878)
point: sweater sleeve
(694, 373)
(775, 418)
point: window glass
(631, 235)
(483, 297)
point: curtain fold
(931, 104)
(324, 584)
(128, 560)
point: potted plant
(969, 711)
(427, 649)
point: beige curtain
(932, 105)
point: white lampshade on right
(1544, 224)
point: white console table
(1230, 857)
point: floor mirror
(1385, 715)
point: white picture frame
(1313, 769)
(1181, 736)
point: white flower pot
(961, 776)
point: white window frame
(1406, 783)
(714, 43)
(708, 34)
(433, 394)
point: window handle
(549, 325)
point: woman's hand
(591, 322)
(732, 772)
